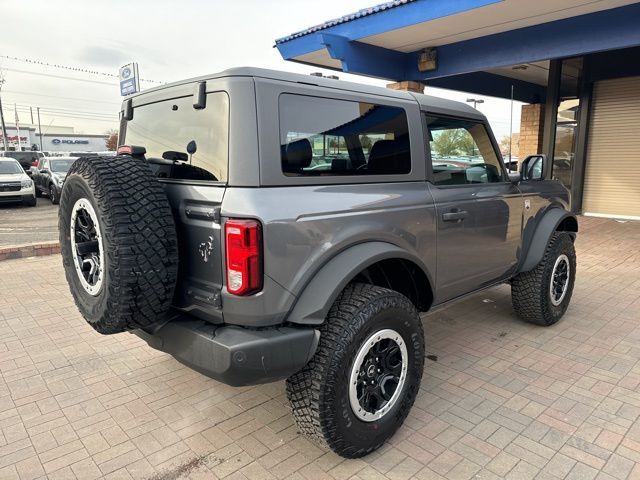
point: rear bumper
(235, 355)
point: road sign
(129, 79)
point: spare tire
(118, 242)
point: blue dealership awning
(479, 45)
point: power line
(102, 118)
(73, 69)
(111, 84)
(67, 110)
(91, 100)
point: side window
(43, 164)
(462, 152)
(328, 137)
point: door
(187, 148)
(611, 185)
(479, 211)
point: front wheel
(361, 384)
(542, 295)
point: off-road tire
(31, 202)
(139, 242)
(318, 394)
(530, 290)
(38, 192)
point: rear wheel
(53, 195)
(360, 385)
(542, 295)
(118, 243)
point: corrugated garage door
(612, 175)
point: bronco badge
(206, 249)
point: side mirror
(534, 167)
(514, 177)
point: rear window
(328, 137)
(24, 156)
(166, 128)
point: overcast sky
(170, 40)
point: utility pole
(15, 107)
(4, 127)
(39, 128)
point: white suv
(15, 184)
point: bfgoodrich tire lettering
(139, 243)
(319, 393)
(531, 291)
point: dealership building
(54, 139)
(575, 64)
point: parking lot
(499, 398)
(20, 225)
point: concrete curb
(31, 250)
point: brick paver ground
(499, 399)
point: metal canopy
(478, 42)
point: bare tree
(112, 140)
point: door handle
(454, 216)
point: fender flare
(547, 225)
(313, 304)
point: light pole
(475, 101)
(5, 139)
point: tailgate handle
(203, 213)
(454, 216)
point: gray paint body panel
(320, 232)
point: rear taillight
(244, 256)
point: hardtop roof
(426, 102)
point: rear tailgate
(196, 210)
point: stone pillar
(407, 86)
(531, 127)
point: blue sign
(58, 141)
(129, 81)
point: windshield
(61, 166)
(165, 128)
(10, 168)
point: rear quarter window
(329, 137)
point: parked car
(49, 176)
(211, 237)
(26, 159)
(15, 184)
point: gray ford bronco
(260, 225)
